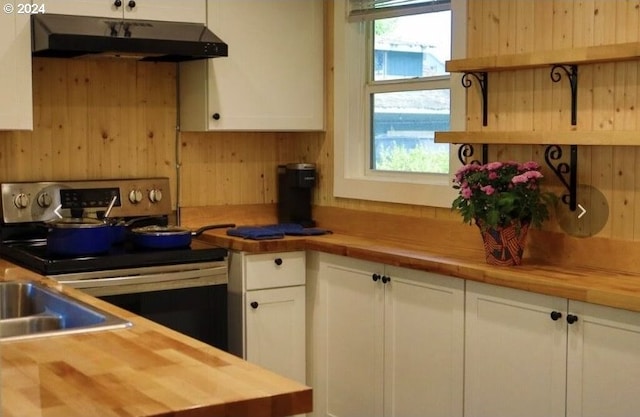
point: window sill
(402, 192)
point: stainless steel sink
(29, 310)
(22, 326)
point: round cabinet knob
(556, 315)
(135, 196)
(385, 279)
(21, 201)
(375, 277)
(117, 3)
(254, 304)
(278, 261)
(216, 116)
(44, 200)
(131, 4)
(155, 195)
(571, 318)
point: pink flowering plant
(498, 194)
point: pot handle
(211, 226)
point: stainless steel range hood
(82, 36)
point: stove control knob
(44, 200)
(155, 195)
(135, 196)
(21, 201)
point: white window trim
(351, 179)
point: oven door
(189, 298)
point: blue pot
(78, 237)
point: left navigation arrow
(57, 212)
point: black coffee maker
(295, 189)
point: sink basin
(22, 326)
(29, 310)
(17, 299)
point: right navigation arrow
(582, 211)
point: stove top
(33, 255)
(27, 206)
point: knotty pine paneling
(229, 168)
(95, 119)
(528, 100)
(105, 118)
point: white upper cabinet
(272, 79)
(16, 102)
(167, 10)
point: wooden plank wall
(95, 119)
(528, 100)
(106, 118)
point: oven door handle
(145, 279)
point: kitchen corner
(145, 370)
(406, 241)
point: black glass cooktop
(33, 255)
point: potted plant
(503, 199)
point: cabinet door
(603, 376)
(276, 330)
(100, 8)
(16, 106)
(515, 354)
(194, 11)
(272, 79)
(166, 10)
(424, 342)
(347, 346)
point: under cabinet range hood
(67, 36)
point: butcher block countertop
(599, 286)
(145, 370)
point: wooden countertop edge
(608, 288)
(279, 397)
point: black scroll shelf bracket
(571, 71)
(566, 172)
(483, 80)
(466, 151)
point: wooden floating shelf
(572, 56)
(574, 137)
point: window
(391, 94)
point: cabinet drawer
(272, 270)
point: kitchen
(116, 119)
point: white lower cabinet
(533, 355)
(603, 366)
(515, 354)
(267, 311)
(383, 341)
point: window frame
(352, 176)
